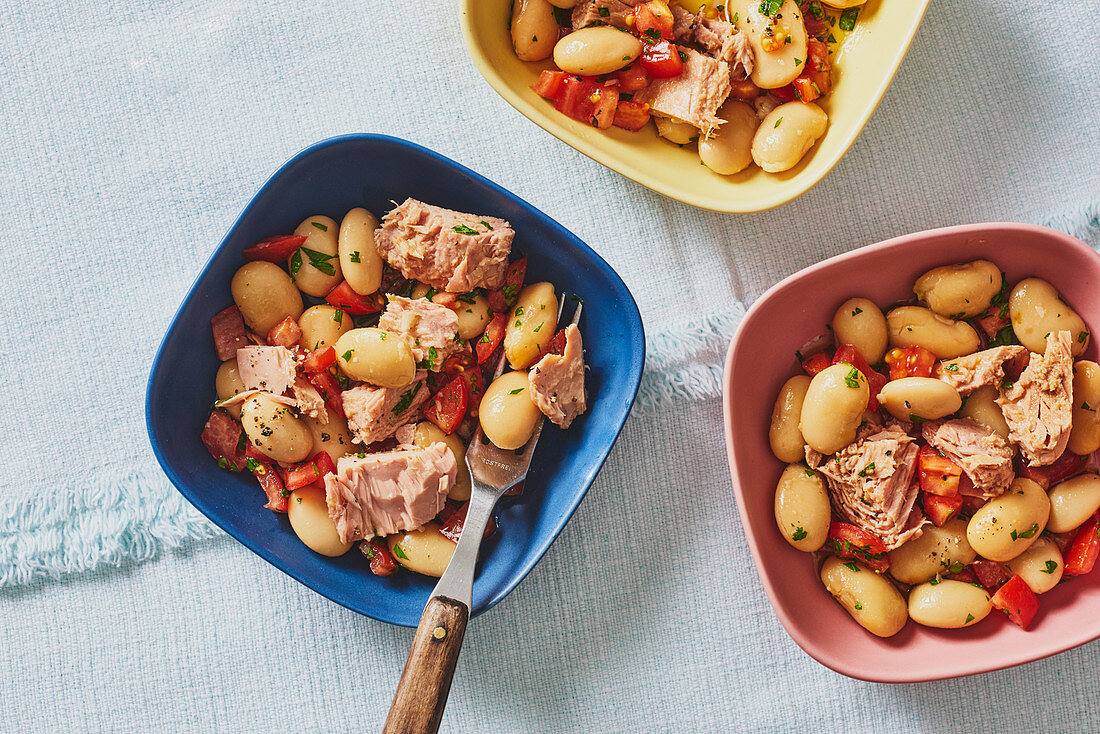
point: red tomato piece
(848, 354)
(382, 562)
(653, 20)
(1017, 600)
(910, 362)
(447, 407)
(452, 526)
(475, 381)
(940, 508)
(489, 341)
(556, 345)
(346, 299)
(990, 574)
(274, 249)
(744, 89)
(938, 474)
(993, 319)
(588, 101)
(632, 78)
(632, 115)
(661, 60)
(848, 541)
(502, 299)
(787, 93)
(816, 363)
(319, 360)
(270, 481)
(1081, 553)
(549, 82)
(811, 85)
(1067, 466)
(302, 475)
(817, 55)
(324, 463)
(329, 388)
(286, 333)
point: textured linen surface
(133, 133)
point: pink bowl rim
(808, 645)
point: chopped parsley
(467, 297)
(338, 316)
(517, 391)
(777, 122)
(318, 225)
(1086, 406)
(432, 293)
(809, 472)
(463, 229)
(857, 311)
(510, 292)
(1051, 566)
(1082, 336)
(770, 7)
(858, 606)
(653, 34)
(406, 399)
(295, 263)
(318, 260)
(399, 553)
(852, 565)
(848, 19)
(346, 356)
(955, 567)
(252, 465)
(799, 534)
(428, 363)
(242, 442)
(519, 311)
(867, 469)
(486, 225)
(518, 323)
(816, 10)
(354, 257)
(935, 581)
(951, 368)
(852, 378)
(969, 618)
(604, 12)
(1029, 533)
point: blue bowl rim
(637, 361)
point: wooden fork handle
(426, 680)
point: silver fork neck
(458, 580)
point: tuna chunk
(388, 492)
(430, 329)
(267, 368)
(375, 413)
(967, 374)
(601, 12)
(683, 24)
(983, 455)
(723, 41)
(693, 97)
(1038, 407)
(229, 332)
(557, 381)
(871, 485)
(309, 400)
(448, 250)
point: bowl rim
(636, 364)
(640, 175)
(809, 645)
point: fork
(426, 680)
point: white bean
(359, 259)
(532, 324)
(428, 433)
(948, 604)
(274, 430)
(925, 398)
(507, 413)
(595, 51)
(729, 148)
(424, 550)
(676, 131)
(872, 601)
(934, 551)
(1084, 437)
(784, 433)
(265, 295)
(981, 406)
(779, 67)
(376, 356)
(228, 383)
(534, 29)
(1040, 566)
(1007, 525)
(313, 277)
(1036, 309)
(322, 326)
(961, 290)
(833, 408)
(786, 134)
(1073, 501)
(802, 508)
(860, 322)
(915, 326)
(309, 519)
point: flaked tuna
(557, 381)
(448, 250)
(271, 369)
(871, 485)
(309, 400)
(967, 374)
(601, 12)
(375, 413)
(429, 328)
(693, 97)
(983, 455)
(722, 40)
(1038, 407)
(390, 491)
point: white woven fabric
(132, 135)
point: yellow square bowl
(864, 65)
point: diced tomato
(345, 298)
(653, 20)
(744, 89)
(556, 345)
(329, 388)
(993, 319)
(632, 115)
(938, 474)
(324, 463)
(817, 53)
(848, 541)
(588, 101)
(910, 362)
(1016, 599)
(941, 508)
(382, 562)
(230, 334)
(502, 299)
(990, 574)
(489, 341)
(848, 354)
(811, 84)
(302, 475)
(319, 360)
(447, 407)
(274, 249)
(452, 526)
(265, 472)
(286, 333)
(816, 363)
(549, 83)
(632, 78)
(1081, 553)
(787, 93)
(475, 381)
(661, 60)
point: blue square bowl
(370, 171)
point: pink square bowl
(761, 357)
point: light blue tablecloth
(132, 135)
